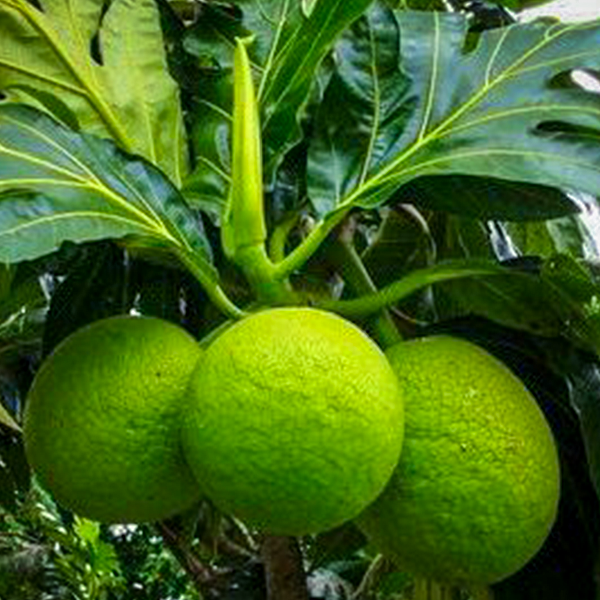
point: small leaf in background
(79, 54)
(508, 109)
(339, 544)
(6, 418)
(403, 242)
(57, 186)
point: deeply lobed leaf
(418, 102)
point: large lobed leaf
(57, 185)
(103, 72)
(417, 101)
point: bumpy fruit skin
(102, 420)
(476, 489)
(295, 421)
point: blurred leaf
(6, 418)
(87, 531)
(417, 103)
(403, 243)
(56, 185)
(79, 53)
(335, 545)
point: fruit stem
(300, 255)
(200, 575)
(258, 270)
(371, 303)
(358, 277)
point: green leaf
(108, 70)
(519, 5)
(486, 198)
(288, 51)
(288, 79)
(6, 419)
(418, 103)
(57, 185)
(568, 235)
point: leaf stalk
(416, 280)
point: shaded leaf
(57, 185)
(79, 53)
(338, 544)
(287, 82)
(20, 291)
(417, 103)
(94, 288)
(485, 198)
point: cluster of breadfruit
(295, 421)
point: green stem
(356, 274)
(258, 269)
(414, 281)
(300, 255)
(279, 237)
(214, 291)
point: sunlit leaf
(108, 70)
(57, 185)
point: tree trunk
(284, 571)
